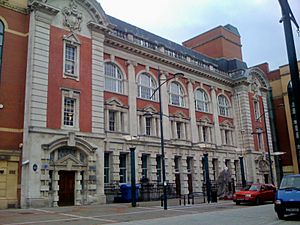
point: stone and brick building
(89, 84)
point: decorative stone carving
(72, 18)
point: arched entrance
(68, 165)
(71, 171)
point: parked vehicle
(256, 193)
(287, 199)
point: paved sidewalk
(105, 214)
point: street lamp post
(162, 144)
(133, 187)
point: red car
(256, 193)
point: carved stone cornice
(8, 5)
(41, 6)
(99, 27)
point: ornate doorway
(66, 188)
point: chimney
(219, 42)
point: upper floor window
(144, 166)
(201, 101)
(71, 61)
(176, 94)
(256, 110)
(123, 166)
(1, 43)
(113, 78)
(223, 106)
(106, 167)
(158, 168)
(147, 86)
(70, 114)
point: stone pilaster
(215, 111)
(132, 94)
(193, 124)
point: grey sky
(261, 33)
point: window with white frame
(71, 60)
(144, 166)
(1, 43)
(256, 110)
(106, 167)
(146, 86)
(70, 106)
(223, 106)
(158, 168)
(176, 94)
(114, 78)
(201, 100)
(123, 169)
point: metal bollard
(184, 200)
(189, 200)
(193, 201)
(161, 202)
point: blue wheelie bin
(126, 192)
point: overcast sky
(262, 35)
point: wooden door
(66, 188)
(190, 183)
(177, 182)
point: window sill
(71, 76)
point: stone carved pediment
(68, 160)
(72, 38)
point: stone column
(55, 188)
(115, 167)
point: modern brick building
(91, 82)
(280, 82)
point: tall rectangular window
(144, 166)
(179, 130)
(112, 120)
(70, 59)
(122, 168)
(69, 111)
(106, 168)
(256, 110)
(176, 161)
(215, 169)
(148, 126)
(158, 168)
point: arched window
(201, 101)
(147, 86)
(176, 94)
(113, 78)
(1, 43)
(223, 106)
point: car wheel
(280, 215)
(238, 202)
(257, 201)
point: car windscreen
(254, 188)
(290, 183)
